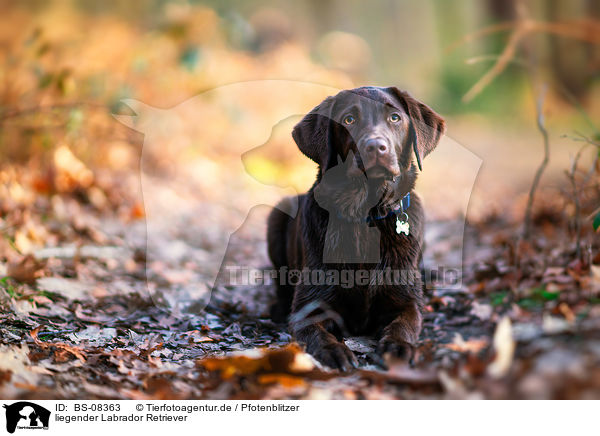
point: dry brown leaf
(285, 380)
(59, 355)
(26, 270)
(470, 346)
(5, 376)
(567, 312)
(71, 173)
(281, 360)
(161, 388)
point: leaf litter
(78, 320)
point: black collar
(399, 209)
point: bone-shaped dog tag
(402, 227)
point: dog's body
(347, 222)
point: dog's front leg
(316, 327)
(325, 347)
(400, 336)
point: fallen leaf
(59, 355)
(26, 270)
(567, 312)
(504, 345)
(282, 360)
(470, 346)
(554, 324)
(482, 311)
(285, 380)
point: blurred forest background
(64, 63)
(516, 80)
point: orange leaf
(59, 355)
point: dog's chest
(354, 307)
(361, 306)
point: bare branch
(582, 30)
(503, 60)
(40, 109)
(538, 174)
(494, 28)
(572, 180)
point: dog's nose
(376, 145)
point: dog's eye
(349, 119)
(394, 118)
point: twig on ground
(571, 176)
(538, 174)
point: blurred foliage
(65, 66)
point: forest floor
(87, 315)
(109, 247)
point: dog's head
(378, 127)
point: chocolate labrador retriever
(348, 263)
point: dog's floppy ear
(426, 127)
(312, 133)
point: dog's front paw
(396, 348)
(336, 356)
